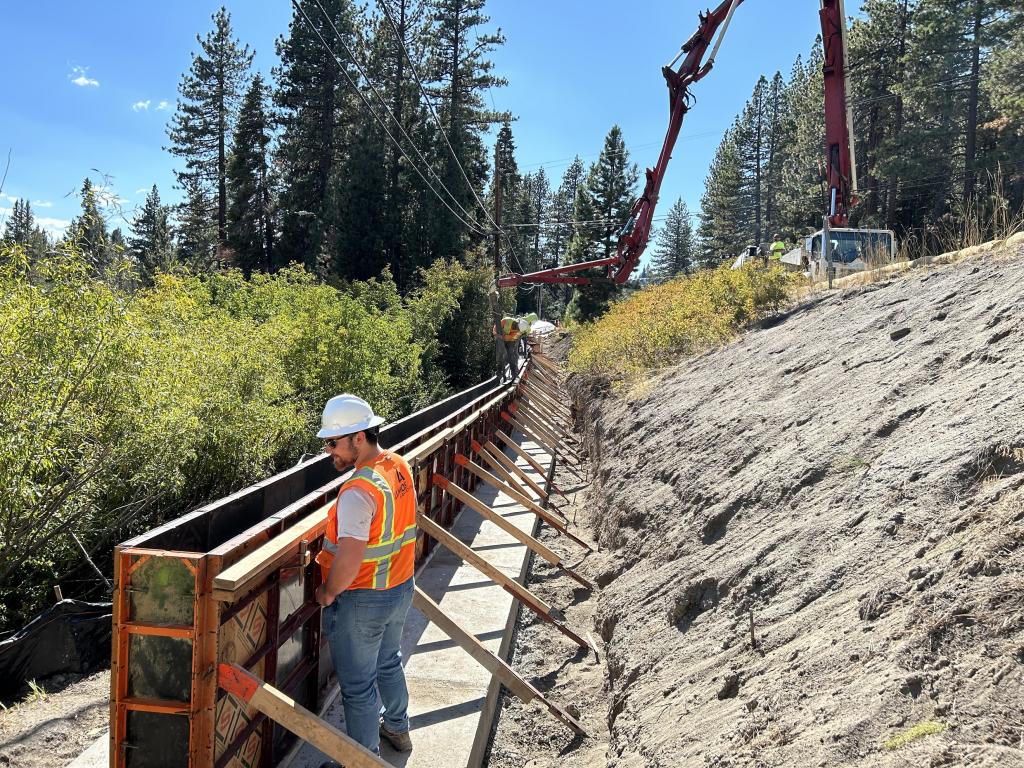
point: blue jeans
(364, 629)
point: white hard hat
(524, 326)
(345, 415)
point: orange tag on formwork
(233, 679)
(477, 447)
(461, 460)
(441, 481)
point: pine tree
(877, 50)
(88, 231)
(21, 230)
(752, 142)
(674, 252)
(403, 245)
(462, 73)
(151, 245)
(201, 128)
(801, 194)
(723, 230)
(316, 109)
(250, 195)
(196, 233)
(605, 200)
(562, 210)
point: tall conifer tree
(201, 128)
(151, 245)
(250, 189)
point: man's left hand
(323, 596)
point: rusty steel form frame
(433, 449)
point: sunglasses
(333, 442)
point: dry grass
(919, 731)
(685, 316)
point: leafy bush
(121, 410)
(682, 317)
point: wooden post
(296, 718)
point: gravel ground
(526, 735)
(53, 727)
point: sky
(90, 87)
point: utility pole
(499, 345)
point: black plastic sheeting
(72, 636)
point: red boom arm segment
(840, 167)
(634, 236)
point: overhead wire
(394, 118)
(466, 221)
(430, 107)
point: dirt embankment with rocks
(813, 536)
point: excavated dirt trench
(846, 485)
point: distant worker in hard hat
(510, 329)
(777, 248)
(366, 565)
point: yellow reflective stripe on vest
(367, 473)
(386, 549)
(382, 554)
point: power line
(397, 122)
(373, 112)
(433, 113)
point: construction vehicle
(851, 248)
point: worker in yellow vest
(510, 329)
(778, 248)
(366, 565)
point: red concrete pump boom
(840, 168)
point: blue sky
(90, 87)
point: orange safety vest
(390, 556)
(509, 329)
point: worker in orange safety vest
(510, 329)
(366, 564)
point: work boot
(400, 741)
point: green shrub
(121, 410)
(684, 316)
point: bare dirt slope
(851, 479)
(54, 725)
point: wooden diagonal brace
(522, 537)
(541, 405)
(514, 468)
(543, 514)
(549, 437)
(296, 718)
(508, 676)
(518, 450)
(510, 585)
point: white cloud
(54, 227)
(107, 196)
(163, 105)
(8, 198)
(141, 106)
(140, 190)
(42, 204)
(82, 80)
